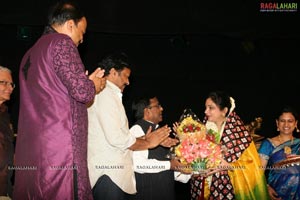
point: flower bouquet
(198, 146)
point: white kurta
(109, 139)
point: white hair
(5, 69)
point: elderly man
(6, 135)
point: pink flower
(197, 144)
(192, 150)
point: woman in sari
(239, 175)
(280, 157)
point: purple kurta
(51, 148)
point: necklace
(287, 149)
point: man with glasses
(6, 134)
(5, 83)
(153, 170)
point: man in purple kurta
(51, 148)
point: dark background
(181, 49)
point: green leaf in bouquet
(213, 136)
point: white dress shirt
(140, 158)
(142, 164)
(108, 140)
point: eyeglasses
(154, 106)
(5, 83)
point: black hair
(221, 99)
(116, 60)
(288, 109)
(63, 11)
(139, 104)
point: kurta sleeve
(112, 118)
(70, 69)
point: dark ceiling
(183, 48)
(164, 17)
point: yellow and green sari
(246, 179)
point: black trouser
(106, 189)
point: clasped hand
(158, 136)
(98, 78)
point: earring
(297, 130)
(277, 129)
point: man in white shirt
(110, 143)
(154, 171)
